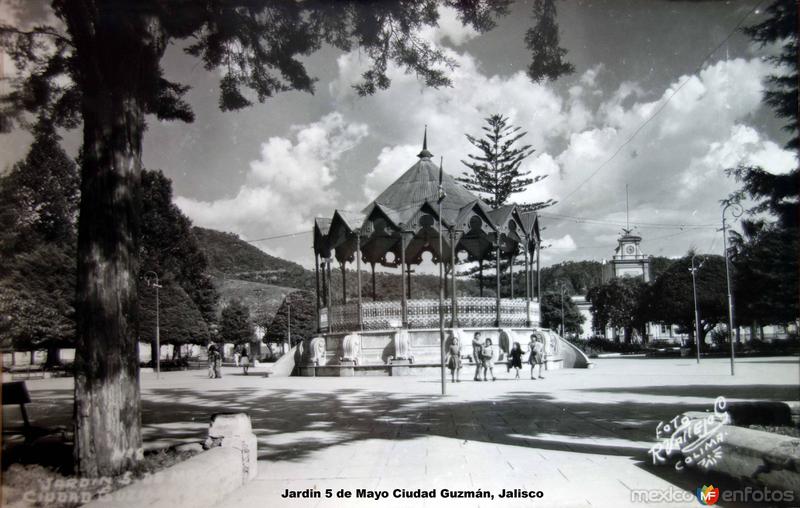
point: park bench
(16, 393)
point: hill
(230, 257)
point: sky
(649, 107)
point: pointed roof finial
(425, 154)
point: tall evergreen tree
(169, 246)
(781, 28)
(495, 171)
(39, 199)
(547, 56)
(303, 314)
(765, 256)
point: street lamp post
(289, 326)
(562, 309)
(736, 212)
(151, 278)
(696, 313)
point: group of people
(483, 355)
(241, 358)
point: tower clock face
(630, 249)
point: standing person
(217, 364)
(454, 358)
(488, 359)
(245, 361)
(537, 353)
(210, 355)
(236, 355)
(515, 358)
(477, 347)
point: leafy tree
(671, 300)
(548, 57)
(303, 314)
(766, 285)
(618, 303)
(39, 196)
(169, 248)
(577, 276)
(495, 171)
(781, 28)
(765, 256)
(37, 244)
(36, 305)
(551, 313)
(235, 326)
(80, 73)
(180, 321)
(658, 265)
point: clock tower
(628, 260)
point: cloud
(397, 116)
(292, 181)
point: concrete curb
(202, 481)
(770, 459)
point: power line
(285, 235)
(643, 225)
(662, 106)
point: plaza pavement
(579, 436)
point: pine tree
(495, 172)
(39, 199)
(548, 57)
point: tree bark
(116, 52)
(53, 356)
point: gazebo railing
(471, 312)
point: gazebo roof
(410, 204)
(420, 183)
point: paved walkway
(579, 436)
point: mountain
(230, 257)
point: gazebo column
(324, 295)
(329, 296)
(527, 289)
(497, 280)
(454, 304)
(373, 280)
(403, 300)
(480, 276)
(358, 271)
(538, 274)
(316, 274)
(511, 274)
(408, 282)
(344, 282)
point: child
(488, 359)
(515, 358)
(477, 347)
(537, 354)
(245, 361)
(454, 359)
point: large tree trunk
(53, 356)
(116, 51)
(154, 353)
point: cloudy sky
(269, 170)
